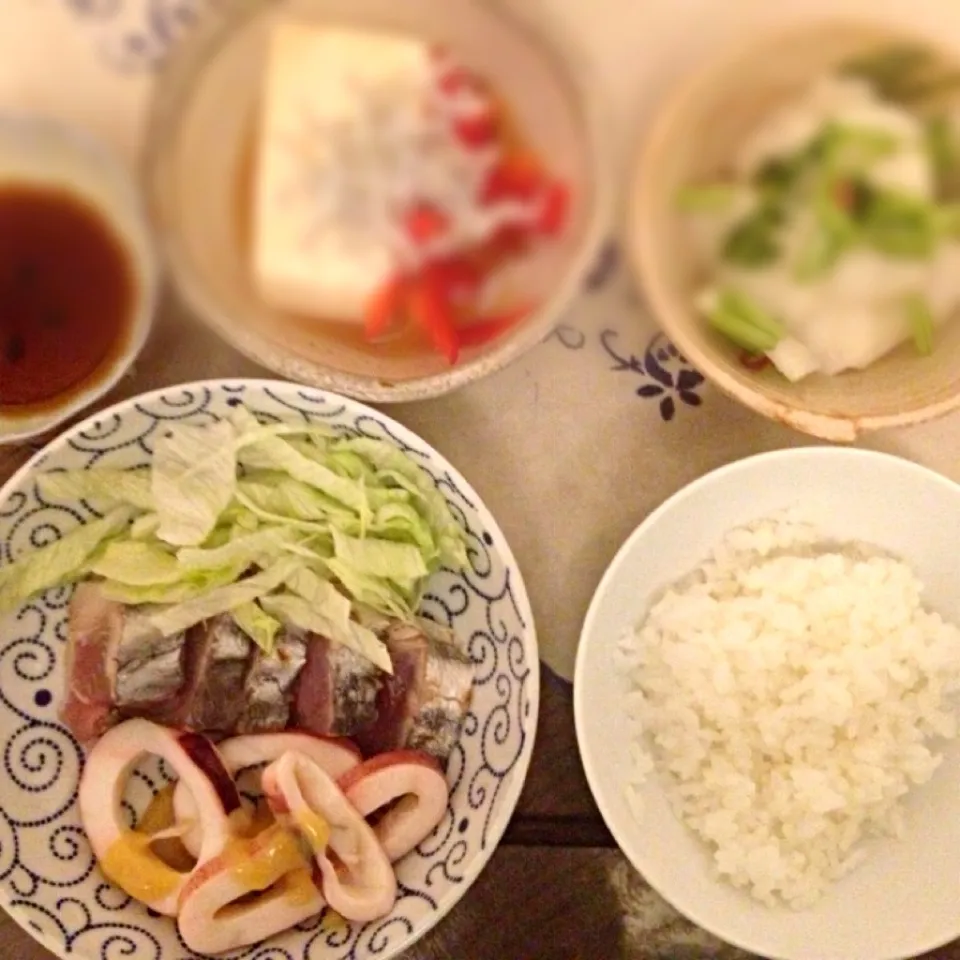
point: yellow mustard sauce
(258, 864)
(160, 814)
(314, 828)
(248, 823)
(298, 887)
(137, 870)
(143, 872)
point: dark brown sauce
(67, 296)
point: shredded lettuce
(59, 562)
(100, 487)
(380, 558)
(181, 616)
(274, 523)
(137, 563)
(259, 549)
(305, 616)
(393, 464)
(193, 479)
(258, 625)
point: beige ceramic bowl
(46, 153)
(197, 166)
(694, 136)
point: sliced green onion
(854, 149)
(706, 198)
(820, 255)
(921, 323)
(943, 148)
(752, 242)
(744, 323)
(948, 220)
(735, 302)
(739, 332)
(780, 174)
(900, 225)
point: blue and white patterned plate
(49, 881)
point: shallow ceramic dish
(49, 882)
(902, 900)
(694, 135)
(46, 153)
(197, 159)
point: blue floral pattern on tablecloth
(665, 376)
(140, 34)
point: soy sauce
(67, 295)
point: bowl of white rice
(778, 649)
(792, 222)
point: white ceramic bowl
(197, 166)
(42, 153)
(904, 899)
(49, 882)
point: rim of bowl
(531, 722)
(173, 89)
(588, 759)
(642, 244)
(141, 248)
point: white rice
(790, 692)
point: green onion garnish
(706, 198)
(943, 149)
(921, 323)
(745, 323)
(752, 242)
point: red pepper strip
(476, 131)
(424, 224)
(477, 334)
(556, 207)
(427, 304)
(461, 279)
(754, 361)
(454, 78)
(515, 177)
(383, 308)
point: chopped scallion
(744, 323)
(706, 198)
(921, 323)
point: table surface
(596, 426)
(557, 887)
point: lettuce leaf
(193, 480)
(181, 616)
(60, 562)
(394, 464)
(380, 558)
(258, 625)
(99, 486)
(305, 616)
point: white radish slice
(410, 777)
(334, 755)
(210, 920)
(125, 856)
(357, 879)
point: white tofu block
(307, 261)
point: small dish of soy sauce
(78, 274)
